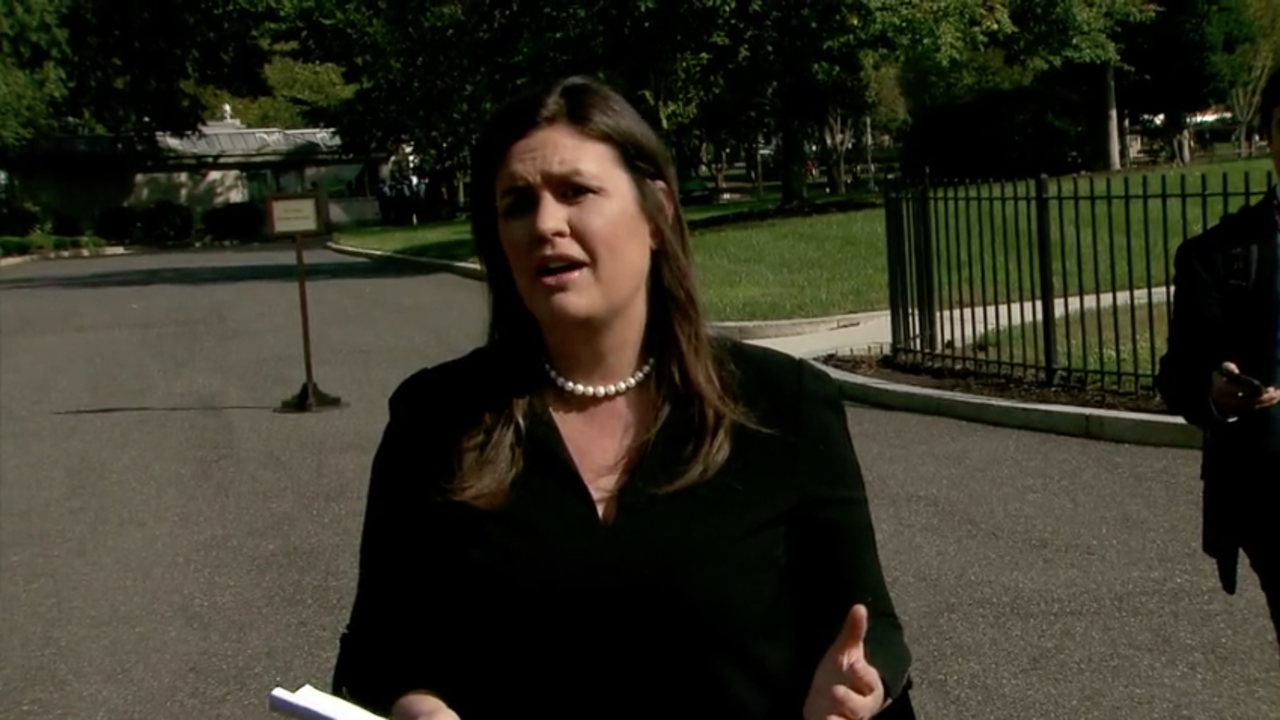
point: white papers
(308, 703)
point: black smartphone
(1237, 378)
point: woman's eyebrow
(521, 185)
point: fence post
(925, 301)
(893, 223)
(1044, 260)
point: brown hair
(687, 370)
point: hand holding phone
(1235, 394)
(1249, 386)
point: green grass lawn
(1118, 348)
(798, 267)
(1103, 234)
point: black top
(1225, 311)
(1220, 314)
(715, 601)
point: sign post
(296, 215)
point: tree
(1053, 33)
(125, 67)
(1251, 52)
(301, 95)
(33, 48)
(1173, 65)
(137, 66)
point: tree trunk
(1125, 145)
(837, 137)
(759, 165)
(794, 182)
(721, 168)
(1176, 128)
(871, 160)
(1113, 121)
(839, 170)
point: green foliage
(299, 96)
(117, 224)
(33, 46)
(712, 75)
(106, 66)
(1052, 33)
(236, 221)
(166, 223)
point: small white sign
(294, 216)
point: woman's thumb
(854, 631)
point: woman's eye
(514, 208)
(576, 191)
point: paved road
(171, 548)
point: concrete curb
(106, 251)
(467, 270)
(1093, 423)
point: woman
(603, 513)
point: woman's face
(571, 226)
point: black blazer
(715, 601)
(1217, 317)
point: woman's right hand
(421, 706)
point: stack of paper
(308, 703)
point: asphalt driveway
(171, 548)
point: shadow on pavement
(219, 275)
(113, 410)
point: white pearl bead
(600, 391)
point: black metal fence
(1064, 280)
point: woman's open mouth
(557, 271)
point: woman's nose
(550, 218)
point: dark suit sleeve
(386, 648)
(833, 539)
(1196, 337)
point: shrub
(19, 220)
(236, 221)
(117, 224)
(65, 225)
(10, 246)
(166, 223)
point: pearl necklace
(600, 390)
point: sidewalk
(960, 326)
(872, 335)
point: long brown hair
(688, 373)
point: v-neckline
(544, 430)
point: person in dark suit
(604, 512)
(1226, 323)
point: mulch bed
(969, 381)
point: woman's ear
(667, 197)
(668, 200)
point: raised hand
(845, 686)
(421, 706)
